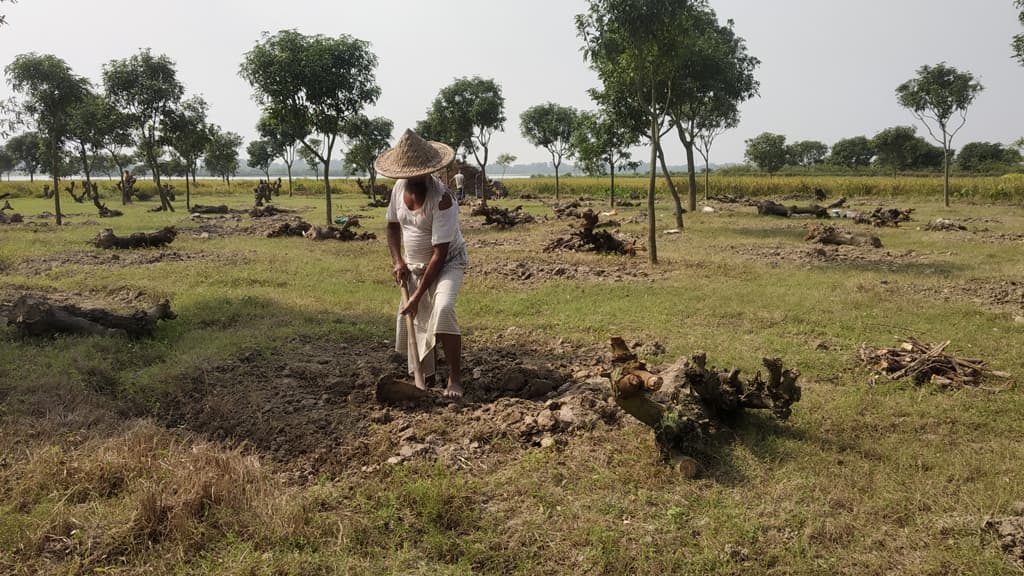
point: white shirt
(429, 226)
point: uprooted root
(503, 217)
(829, 234)
(587, 240)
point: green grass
(862, 480)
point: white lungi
(421, 231)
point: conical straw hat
(413, 156)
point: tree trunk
(556, 175)
(652, 236)
(671, 188)
(707, 179)
(945, 169)
(289, 180)
(611, 169)
(188, 193)
(55, 172)
(691, 172)
(327, 189)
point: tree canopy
(602, 145)
(987, 156)
(767, 151)
(466, 114)
(312, 84)
(368, 138)
(807, 153)
(550, 126)
(221, 155)
(934, 96)
(1018, 41)
(854, 152)
(51, 91)
(26, 148)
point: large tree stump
(586, 239)
(829, 234)
(107, 239)
(38, 317)
(684, 423)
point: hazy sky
(829, 68)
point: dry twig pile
(926, 363)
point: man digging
(423, 218)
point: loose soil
(314, 407)
(610, 269)
(823, 255)
(122, 259)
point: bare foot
(454, 390)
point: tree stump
(829, 234)
(107, 239)
(33, 316)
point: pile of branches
(503, 217)
(926, 363)
(944, 225)
(307, 230)
(586, 239)
(107, 239)
(884, 217)
(829, 234)
(345, 233)
(33, 316)
(13, 218)
(685, 418)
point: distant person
(427, 251)
(460, 182)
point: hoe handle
(410, 337)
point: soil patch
(788, 253)
(610, 269)
(1000, 296)
(51, 262)
(314, 407)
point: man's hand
(412, 306)
(400, 271)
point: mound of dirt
(787, 253)
(537, 272)
(1000, 296)
(314, 408)
(50, 262)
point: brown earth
(815, 255)
(122, 259)
(610, 269)
(314, 407)
(995, 295)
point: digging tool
(389, 389)
(410, 337)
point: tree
(311, 152)
(88, 131)
(282, 140)
(312, 84)
(768, 152)
(724, 115)
(602, 143)
(369, 137)
(26, 148)
(934, 96)
(221, 155)
(1018, 40)
(51, 91)
(7, 162)
(505, 160)
(715, 73)
(987, 157)
(631, 44)
(550, 126)
(855, 152)
(260, 155)
(466, 114)
(147, 89)
(188, 133)
(896, 148)
(806, 153)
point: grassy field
(105, 467)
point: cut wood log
(944, 225)
(829, 234)
(837, 204)
(33, 316)
(772, 208)
(201, 209)
(107, 239)
(884, 217)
